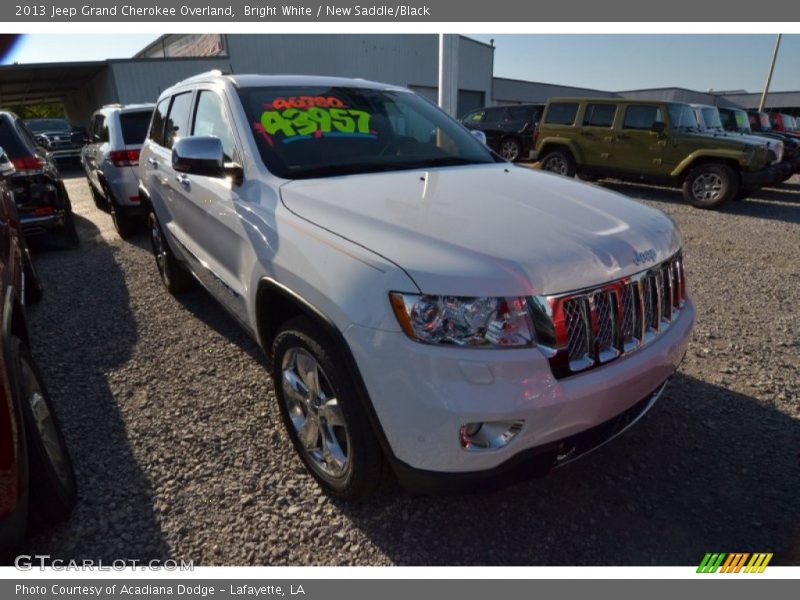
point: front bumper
(753, 180)
(66, 153)
(422, 395)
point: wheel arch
(551, 145)
(275, 304)
(686, 167)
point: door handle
(623, 137)
(152, 162)
(183, 180)
(587, 133)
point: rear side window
(642, 117)
(475, 117)
(561, 113)
(494, 115)
(100, 133)
(26, 136)
(157, 124)
(599, 115)
(209, 119)
(523, 113)
(133, 126)
(178, 119)
(10, 141)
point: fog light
(488, 436)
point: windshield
(742, 122)
(763, 119)
(42, 125)
(682, 117)
(711, 118)
(304, 132)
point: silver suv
(111, 161)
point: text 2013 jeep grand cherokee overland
(652, 142)
(424, 303)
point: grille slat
(598, 325)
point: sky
(606, 62)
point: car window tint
(158, 121)
(494, 115)
(521, 113)
(10, 140)
(133, 126)
(101, 130)
(475, 117)
(642, 117)
(561, 113)
(178, 119)
(209, 119)
(599, 115)
(26, 135)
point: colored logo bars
(734, 563)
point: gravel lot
(180, 452)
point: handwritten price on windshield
(294, 121)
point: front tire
(173, 274)
(559, 161)
(319, 405)
(710, 185)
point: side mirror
(6, 166)
(42, 140)
(658, 127)
(200, 155)
(478, 135)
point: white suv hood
(488, 229)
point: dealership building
(403, 59)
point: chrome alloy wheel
(556, 164)
(315, 412)
(707, 186)
(45, 424)
(509, 149)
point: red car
(36, 476)
(783, 122)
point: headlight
(461, 321)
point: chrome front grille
(591, 327)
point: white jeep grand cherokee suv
(424, 304)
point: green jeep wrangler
(650, 142)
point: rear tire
(53, 489)
(319, 404)
(125, 224)
(560, 162)
(67, 235)
(510, 149)
(710, 185)
(173, 274)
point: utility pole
(448, 73)
(769, 75)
